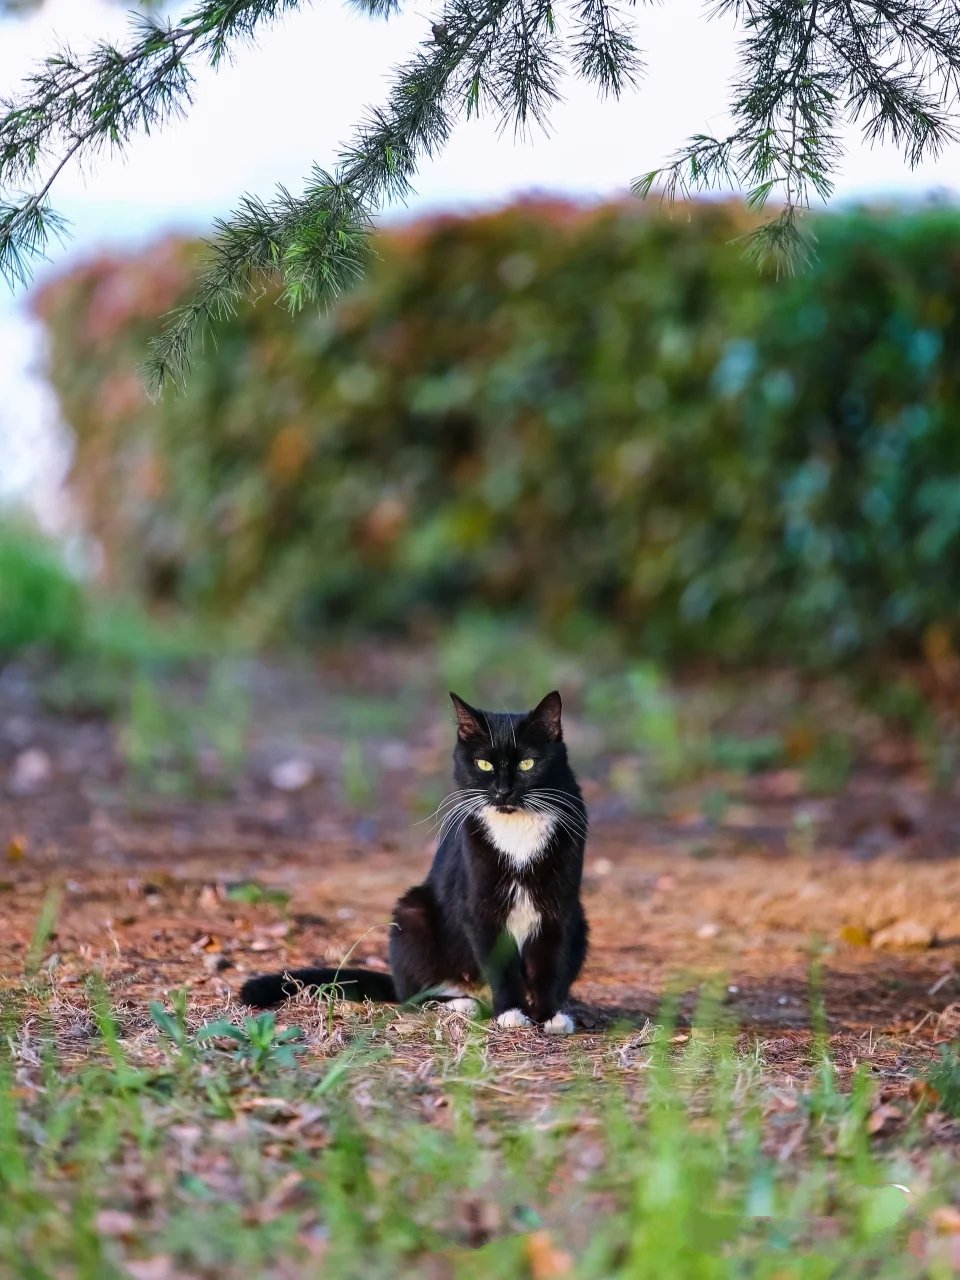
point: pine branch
(73, 108)
(317, 243)
(894, 65)
(805, 67)
(603, 48)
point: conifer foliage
(806, 67)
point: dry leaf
(920, 1091)
(903, 935)
(882, 1117)
(280, 1105)
(856, 935)
(115, 1222)
(545, 1259)
(157, 1268)
(946, 1219)
(283, 1196)
(17, 848)
(207, 942)
(278, 930)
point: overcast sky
(291, 100)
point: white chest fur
(519, 836)
(523, 920)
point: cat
(501, 903)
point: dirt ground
(161, 893)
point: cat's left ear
(546, 714)
(468, 719)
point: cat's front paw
(561, 1024)
(513, 1018)
(463, 1004)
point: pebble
(292, 775)
(30, 771)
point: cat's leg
(499, 962)
(419, 960)
(552, 958)
(543, 971)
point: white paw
(513, 1018)
(462, 1004)
(561, 1024)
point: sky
(289, 102)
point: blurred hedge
(41, 604)
(555, 410)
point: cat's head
(507, 756)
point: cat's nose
(501, 791)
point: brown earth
(145, 889)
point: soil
(151, 890)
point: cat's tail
(352, 984)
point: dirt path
(167, 919)
(151, 892)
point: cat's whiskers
(575, 817)
(458, 813)
(567, 818)
(468, 814)
(564, 800)
(454, 798)
(560, 824)
(452, 815)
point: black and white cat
(501, 903)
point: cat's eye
(485, 765)
(526, 764)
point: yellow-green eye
(526, 764)
(485, 765)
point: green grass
(236, 1148)
(187, 740)
(41, 603)
(46, 607)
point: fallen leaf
(159, 1267)
(207, 942)
(285, 1194)
(17, 848)
(920, 1091)
(800, 743)
(545, 1259)
(856, 935)
(278, 930)
(946, 1219)
(280, 1105)
(882, 1118)
(115, 1222)
(903, 935)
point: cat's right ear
(469, 724)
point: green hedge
(41, 604)
(598, 413)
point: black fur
(452, 928)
